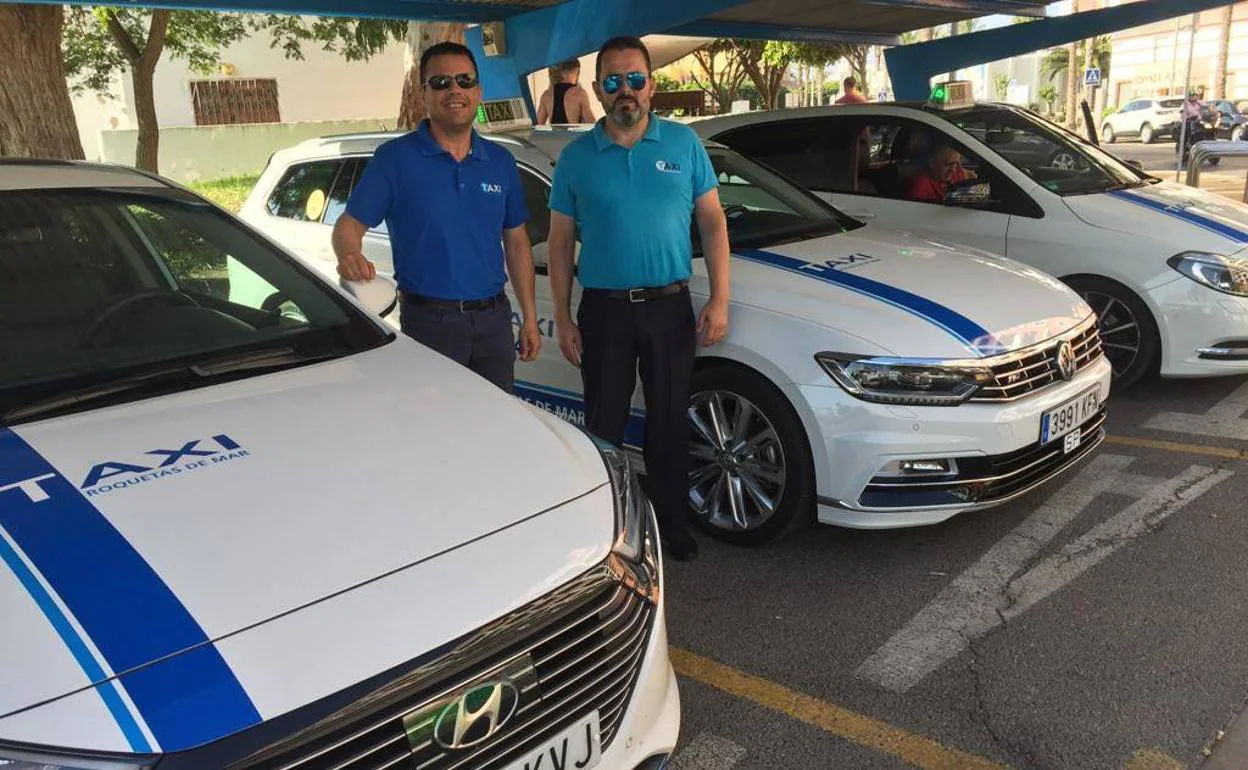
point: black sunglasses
(443, 82)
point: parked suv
(244, 524)
(845, 337)
(1145, 119)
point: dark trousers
(659, 335)
(481, 340)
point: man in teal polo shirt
(454, 209)
(633, 185)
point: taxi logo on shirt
(667, 166)
(494, 189)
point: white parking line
(708, 752)
(988, 593)
(1224, 419)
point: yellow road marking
(881, 736)
(1152, 759)
(1178, 446)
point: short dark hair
(571, 65)
(622, 43)
(445, 49)
(850, 82)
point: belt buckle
(636, 295)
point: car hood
(908, 296)
(195, 544)
(1185, 217)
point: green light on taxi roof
(939, 94)
(480, 113)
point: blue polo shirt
(633, 205)
(445, 218)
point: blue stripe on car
(1214, 226)
(177, 679)
(966, 331)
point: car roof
(24, 174)
(716, 123)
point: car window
(1061, 161)
(381, 228)
(304, 190)
(536, 200)
(341, 191)
(1171, 104)
(98, 286)
(814, 152)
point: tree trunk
(1088, 45)
(36, 115)
(1224, 48)
(1072, 77)
(147, 154)
(420, 36)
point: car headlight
(632, 508)
(907, 382)
(1228, 275)
(14, 759)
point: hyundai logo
(476, 716)
(1065, 361)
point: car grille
(1027, 371)
(587, 658)
(986, 479)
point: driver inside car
(943, 169)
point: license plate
(1061, 420)
(578, 747)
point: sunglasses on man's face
(635, 80)
(443, 82)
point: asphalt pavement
(1096, 623)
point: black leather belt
(642, 294)
(462, 305)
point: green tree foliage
(1002, 83)
(353, 39)
(1055, 61)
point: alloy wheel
(1064, 160)
(1119, 329)
(738, 471)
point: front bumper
(651, 723)
(1204, 333)
(995, 445)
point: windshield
(99, 287)
(1061, 161)
(764, 208)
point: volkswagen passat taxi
(1165, 266)
(243, 523)
(883, 380)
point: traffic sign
(1092, 76)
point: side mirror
(380, 295)
(971, 192)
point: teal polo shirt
(633, 205)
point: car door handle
(861, 214)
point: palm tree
(1056, 60)
(1224, 45)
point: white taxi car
(247, 528)
(886, 380)
(1163, 265)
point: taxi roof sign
(951, 95)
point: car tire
(1129, 335)
(765, 468)
(1146, 133)
(1065, 160)
(1107, 133)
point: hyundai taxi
(1165, 266)
(243, 523)
(881, 379)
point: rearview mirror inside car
(379, 296)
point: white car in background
(882, 379)
(1145, 119)
(244, 524)
(1163, 265)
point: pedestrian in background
(565, 101)
(632, 186)
(454, 208)
(851, 95)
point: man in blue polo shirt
(633, 185)
(454, 208)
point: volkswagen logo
(1065, 361)
(476, 716)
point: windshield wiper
(177, 377)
